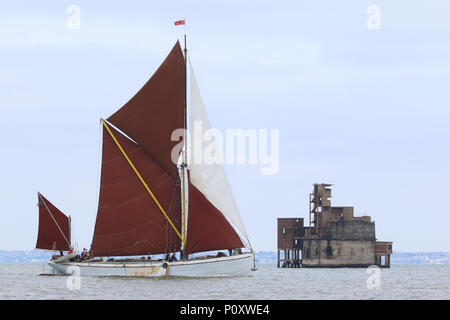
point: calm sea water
(22, 281)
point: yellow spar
(143, 182)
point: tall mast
(70, 232)
(185, 86)
(184, 162)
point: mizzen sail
(54, 227)
(129, 221)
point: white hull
(211, 267)
(65, 258)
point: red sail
(129, 222)
(54, 227)
(208, 229)
(151, 116)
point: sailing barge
(150, 204)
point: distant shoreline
(262, 257)
(400, 257)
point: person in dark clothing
(84, 254)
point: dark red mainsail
(129, 222)
(54, 227)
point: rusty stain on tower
(334, 237)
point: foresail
(129, 221)
(210, 179)
(208, 229)
(150, 117)
(54, 227)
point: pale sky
(367, 110)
